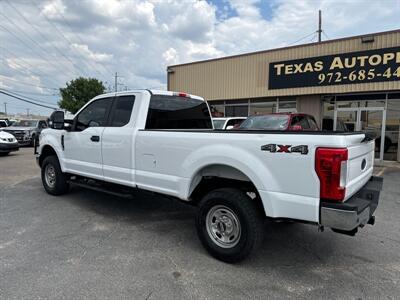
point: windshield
(218, 124)
(266, 122)
(25, 123)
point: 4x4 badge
(273, 148)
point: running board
(111, 189)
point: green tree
(78, 92)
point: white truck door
(82, 145)
(118, 141)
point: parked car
(8, 143)
(164, 142)
(227, 123)
(281, 122)
(3, 123)
(25, 131)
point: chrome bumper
(357, 211)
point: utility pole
(5, 108)
(319, 31)
(27, 112)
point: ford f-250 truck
(164, 142)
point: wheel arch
(46, 151)
(214, 176)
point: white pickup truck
(164, 142)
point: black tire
(32, 143)
(4, 153)
(250, 217)
(60, 185)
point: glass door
(370, 120)
(346, 120)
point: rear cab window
(177, 112)
(122, 110)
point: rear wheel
(53, 179)
(4, 153)
(229, 224)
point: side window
(313, 124)
(93, 115)
(295, 121)
(173, 112)
(122, 110)
(302, 121)
(42, 124)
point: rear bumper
(357, 211)
(8, 147)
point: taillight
(331, 167)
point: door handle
(95, 138)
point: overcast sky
(44, 44)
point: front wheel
(4, 153)
(229, 224)
(53, 179)
(32, 142)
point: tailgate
(359, 165)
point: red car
(280, 121)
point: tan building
(353, 81)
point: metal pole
(5, 108)
(319, 26)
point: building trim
(285, 48)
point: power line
(36, 93)
(30, 98)
(29, 69)
(64, 37)
(25, 100)
(324, 33)
(29, 84)
(29, 46)
(41, 34)
(304, 37)
(77, 35)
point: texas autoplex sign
(347, 68)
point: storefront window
(261, 108)
(373, 103)
(328, 109)
(347, 104)
(287, 104)
(236, 108)
(217, 108)
(367, 112)
(236, 111)
(392, 129)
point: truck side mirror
(56, 120)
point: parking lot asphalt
(91, 245)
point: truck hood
(5, 135)
(16, 128)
